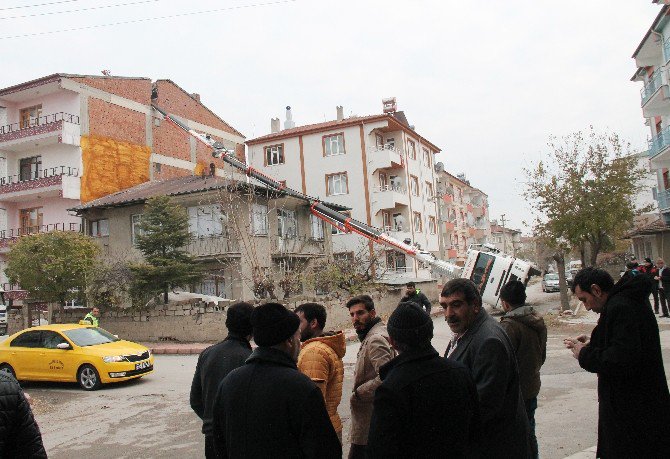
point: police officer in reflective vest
(92, 317)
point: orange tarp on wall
(111, 166)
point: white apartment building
(376, 165)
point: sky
(488, 81)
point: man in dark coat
(19, 434)
(267, 408)
(412, 295)
(482, 345)
(663, 280)
(625, 352)
(418, 388)
(528, 335)
(214, 364)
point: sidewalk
(180, 348)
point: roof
(654, 24)
(500, 229)
(657, 226)
(176, 187)
(57, 76)
(335, 124)
(453, 177)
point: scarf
(363, 333)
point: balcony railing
(299, 245)
(666, 49)
(34, 229)
(652, 85)
(44, 173)
(659, 143)
(663, 198)
(40, 121)
(212, 245)
(392, 187)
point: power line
(135, 21)
(39, 4)
(79, 9)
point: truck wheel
(7, 368)
(88, 378)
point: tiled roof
(174, 187)
(499, 229)
(657, 226)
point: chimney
(196, 96)
(389, 105)
(340, 113)
(288, 124)
(274, 125)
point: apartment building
(464, 215)
(247, 238)
(67, 139)
(507, 240)
(652, 61)
(379, 166)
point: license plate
(142, 365)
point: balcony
(663, 198)
(61, 181)
(385, 157)
(56, 128)
(213, 246)
(10, 235)
(14, 292)
(658, 146)
(479, 211)
(298, 247)
(398, 232)
(655, 96)
(388, 197)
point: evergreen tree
(162, 239)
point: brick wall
(168, 172)
(114, 121)
(137, 89)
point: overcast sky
(487, 81)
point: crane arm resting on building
(483, 267)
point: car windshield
(90, 336)
(551, 277)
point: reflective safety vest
(90, 318)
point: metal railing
(44, 173)
(659, 143)
(666, 49)
(386, 147)
(305, 245)
(663, 198)
(34, 229)
(652, 85)
(39, 121)
(212, 245)
(396, 188)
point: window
(287, 224)
(383, 181)
(31, 220)
(51, 340)
(426, 157)
(337, 184)
(390, 143)
(259, 219)
(379, 141)
(386, 220)
(399, 222)
(417, 222)
(432, 225)
(29, 116)
(206, 221)
(411, 149)
(335, 229)
(135, 229)
(429, 190)
(414, 185)
(274, 154)
(395, 261)
(99, 228)
(317, 227)
(30, 168)
(666, 179)
(27, 339)
(333, 145)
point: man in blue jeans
(528, 334)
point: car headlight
(113, 358)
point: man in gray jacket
(374, 352)
(481, 344)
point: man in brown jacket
(374, 352)
(321, 358)
(528, 334)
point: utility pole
(502, 219)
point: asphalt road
(151, 417)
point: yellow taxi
(84, 354)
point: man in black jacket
(412, 295)
(625, 352)
(214, 364)
(19, 434)
(418, 388)
(267, 408)
(481, 344)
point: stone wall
(197, 321)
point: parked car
(84, 354)
(569, 277)
(550, 283)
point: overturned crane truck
(488, 269)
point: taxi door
(24, 353)
(54, 364)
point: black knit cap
(409, 324)
(238, 318)
(272, 323)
